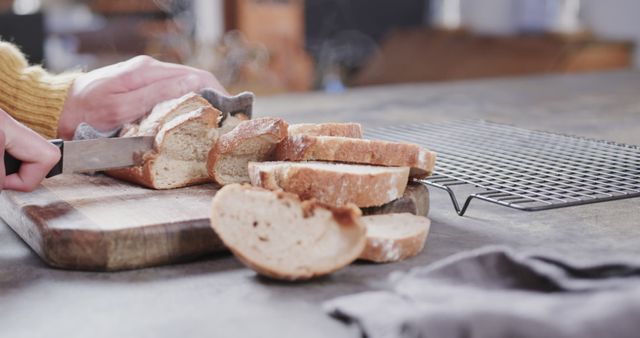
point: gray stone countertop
(218, 297)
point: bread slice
(394, 237)
(279, 236)
(415, 200)
(231, 122)
(164, 112)
(332, 183)
(353, 130)
(252, 140)
(185, 130)
(352, 150)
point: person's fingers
(108, 97)
(142, 71)
(29, 177)
(2, 168)
(38, 156)
(144, 99)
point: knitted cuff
(30, 94)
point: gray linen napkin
(85, 131)
(230, 105)
(494, 292)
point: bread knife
(92, 155)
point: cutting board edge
(61, 248)
(10, 214)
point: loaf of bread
(353, 150)
(164, 112)
(332, 183)
(184, 129)
(279, 236)
(252, 140)
(353, 130)
(394, 237)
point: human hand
(37, 155)
(108, 97)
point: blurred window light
(567, 19)
(560, 16)
(26, 7)
(447, 14)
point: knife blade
(92, 155)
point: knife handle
(12, 164)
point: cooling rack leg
(454, 200)
(452, 195)
(465, 206)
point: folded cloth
(494, 292)
(85, 131)
(230, 105)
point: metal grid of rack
(520, 168)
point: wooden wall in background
(418, 55)
(279, 26)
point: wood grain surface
(99, 223)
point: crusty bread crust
(140, 175)
(353, 130)
(351, 150)
(164, 112)
(368, 186)
(267, 131)
(386, 249)
(345, 220)
(415, 200)
(143, 175)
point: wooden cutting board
(99, 223)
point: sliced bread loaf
(252, 140)
(164, 112)
(352, 150)
(332, 183)
(279, 236)
(394, 237)
(415, 200)
(184, 129)
(353, 130)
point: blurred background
(275, 46)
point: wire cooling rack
(520, 168)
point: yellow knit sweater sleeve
(29, 94)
